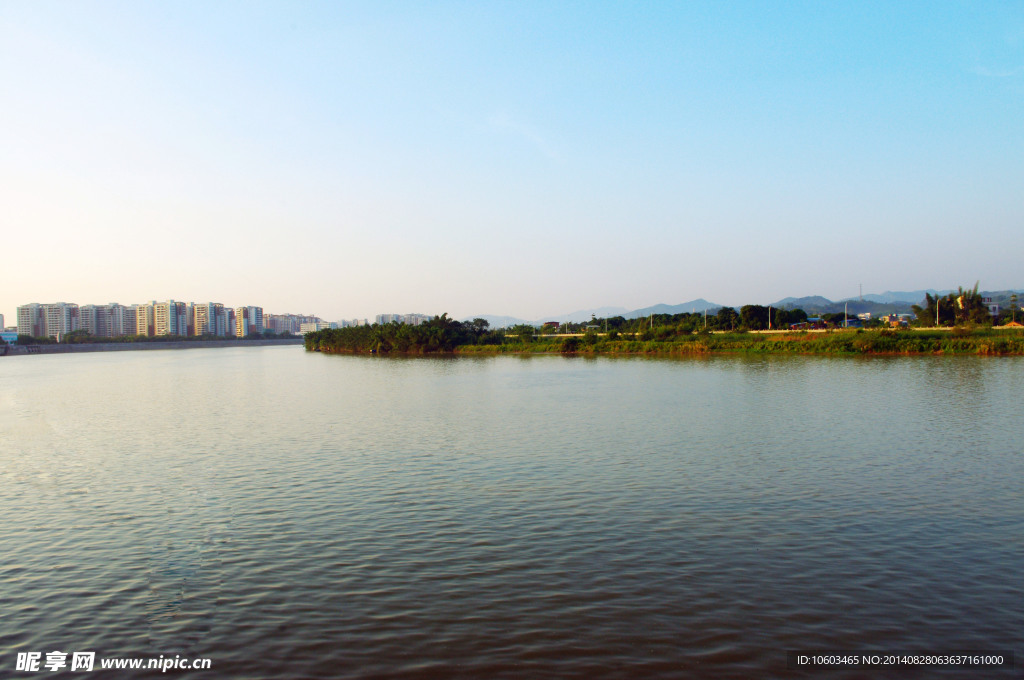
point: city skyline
(524, 160)
(497, 320)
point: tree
(971, 308)
(959, 308)
(523, 331)
(837, 318)
(935, 308)
(726, 319)
(77, 336)
(30, 340)
(616, 323)
(787, 317)
(754, 317)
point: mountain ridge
(888, 302)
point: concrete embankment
(16, 350)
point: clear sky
(520, 158)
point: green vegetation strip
(883, 342)
(442, 335)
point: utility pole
(846, 307)
(769, 317)
(936, 309)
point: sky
(515, 158)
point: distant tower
(862, 292)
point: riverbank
(988, 342)
(23, 350)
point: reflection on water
(298, 515)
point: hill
(698, 305)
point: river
(294, 515)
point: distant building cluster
(314, 324)
(289, 323)
(175, 318)
(151, 319)
(411, 319)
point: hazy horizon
(527, 160)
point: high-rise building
(89, 319)
(1, 322)
(47, 320)
(105, 321)
(169, 318)
(210, 319)
(145, 320)
(128, 325)
(248, 320)
(61, 318)
(287, 323)
(312, 326)
(30, 320)
(159, 318)
(415, 319)
(412, 319)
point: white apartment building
(169, 318)
(61, 318)
(287, 323)
(314, 326)
(30, 320)
(46, 320)
(412, 319)
(90, 318)
(145, 320)
(107, 321)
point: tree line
(962, 308)
(443, 334)
(440, 334)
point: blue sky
(526, 158)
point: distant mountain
(581, 315)
(817, 304)
(586, 314)
(889, 302)
(813, 301)
(914, 297)
(698, 305)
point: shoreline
(837, 343)
(30, 350)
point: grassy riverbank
(987, 342)
(444, 336)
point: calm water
(294, 515)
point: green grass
(872, 342)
